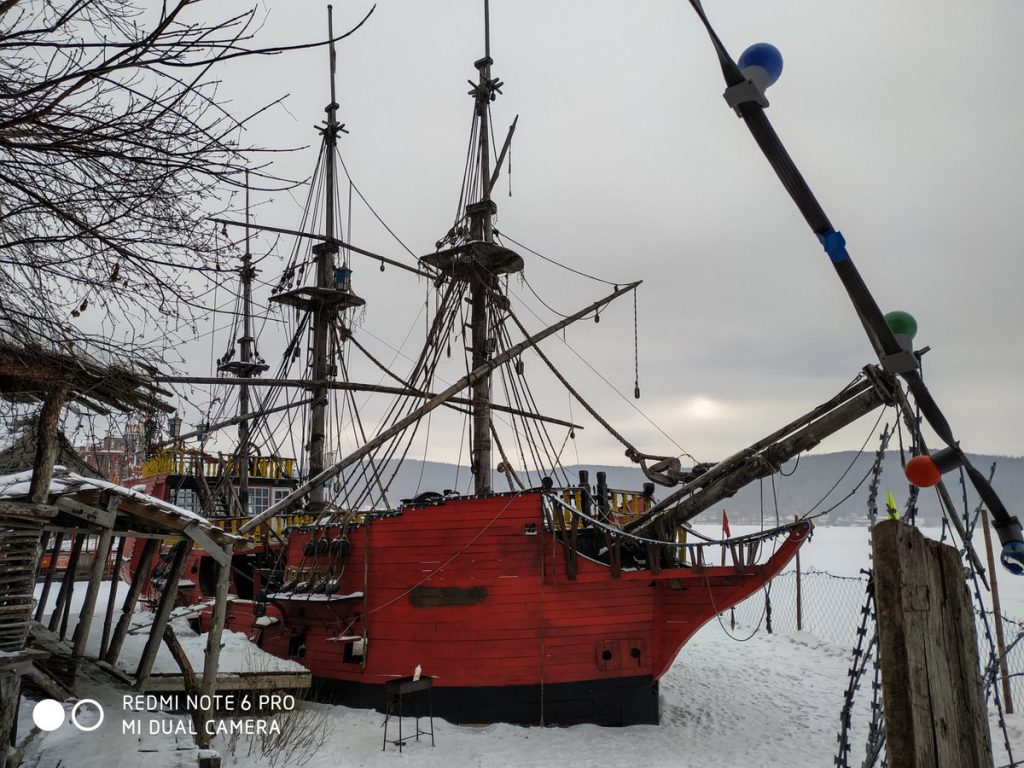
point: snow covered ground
(773, 700)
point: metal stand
(396, 691)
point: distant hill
(796, 494)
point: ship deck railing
(567, 520)
(185, 461)
(277, 525)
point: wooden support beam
(928, 651)
(81, 635)
(142, 561)
(47, 445)
(198, 535)
(211, 655)
(104, 518)
(163, 611)
(191, 683)
(66, 585)
(72, 572)
(50, 571)
(47, 684)
(115, 580)
(997, 614)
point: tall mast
(479, 261)
(481, 280)
(249, 364)
(329, 294)
(243, 391)
(323, 312)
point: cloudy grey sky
(627, 164)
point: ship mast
(248, 365)
(482, 280)
(325, 253)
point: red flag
(726, 533)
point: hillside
(797, 493)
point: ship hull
(510, 621)
(614, 702)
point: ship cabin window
(259, 500)
(297, 646)
(529, 529)
(354, 651)
(280, 493)
(186, 499)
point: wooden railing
(277, 523)
(176, 461)
(623, 506)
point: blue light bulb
(1012, 557)
(764, 56)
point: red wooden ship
(540, 604)
(490, 598)
(547, 600)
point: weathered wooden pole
(47, 445)
(799, 593)
(163, 611)
(115, 580)
(189, 682)
(81, 635)
(66, 585)
(69, 581)
(211, 655)
(1000, 639)
(142, 562)
(50, 571)
(928, 652)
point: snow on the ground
(772, 700)
(237, 653)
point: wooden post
(47, 445)
(163, 611)
(108, 617)
(188, 676)
(211, 655)
(81, 635)
(10, 698)
(138, 579)
(64, 594)
(1000, 640)
(69, 580)
(799, 594)
(50, 571)
(934, 705)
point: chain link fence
(829, 607)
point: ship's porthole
(635, 653)
(606, 655)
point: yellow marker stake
(893, 512)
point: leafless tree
(114, 148)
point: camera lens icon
(48, 715)
(86, 715)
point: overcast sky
(627, 164)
